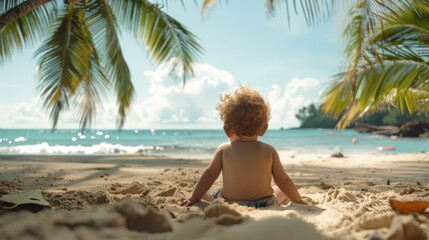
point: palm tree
(81, 59)
(392, 65)
(386, 54)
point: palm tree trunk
(19, 10)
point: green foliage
(388, 65)
(314, 117)
(393, 117)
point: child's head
(244, 112)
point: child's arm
(283, 181)
(209, 176)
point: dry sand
(134, 197)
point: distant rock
(365, 128)
(424, 135)
(386, 131)
(414, 129)
(377, 130)
(408, 129)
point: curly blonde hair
(244, 112)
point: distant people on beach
(247, 165)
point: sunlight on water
(196, 142)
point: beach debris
(409, 206)
(337, 155)
(31, 201)
(388, 181)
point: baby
(247, 165)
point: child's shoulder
(224, 145)
(266, 145)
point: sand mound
(125, 220)
(77, 199)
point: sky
(290, 66)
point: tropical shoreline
(337, 189)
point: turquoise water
(182, 142)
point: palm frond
(164, 37)
(390, 83)
(366, 17)
(91, 91)
(64, 61)
(406, 35)
(25, 30)
(104, 27)
(314, 11)
(6, 5)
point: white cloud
(194, 103)
(24, 115)
(170, 105)
(285, 102)
(32, 114)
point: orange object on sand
(409, 207)
(386, 148)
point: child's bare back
(246, 170)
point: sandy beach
(135, 197)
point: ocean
(195, 143)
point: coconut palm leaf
(341, 95)
(25, 30)
(362, 53)
(164, 37)
(91, 91)
(103, 25)
(9, 4)
(400, 84)
(95, 84)
(64, 61)
(314, 11)
(406, 35)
